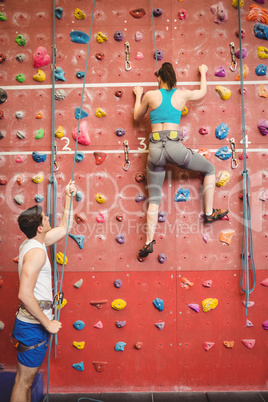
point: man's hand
(138, 91)
(203, 69)
(53, 326)
(70, 188)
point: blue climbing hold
(79, 239)
(120, 346)
(59, 74)
(222, 131)
(182, 195)
(79, 196)
(79, 325)
(223, 153)
(37, 157)
(58, 12)
(80, 74)
(261, 69)
(79, 37)
(79, 366)
(80, 113)
(79, 156)
(261, 31)
(38, 198)
(159, 304)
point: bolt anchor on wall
(232, 51)
(127, 50)
(126, 150)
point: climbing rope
(155, 50)
(247, 245)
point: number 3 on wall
(142, 139)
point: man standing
(34, 320)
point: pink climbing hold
(138, 36)
(182, 14)
(208, 345)
(249, 343)
(83, 137)
(207, 284)
(250, 303)
(41, 57)
(19, 159)
(194, 307)
(264, 282)
(219, 12)
(98, 325)
(101, 217)
(249, 324)
(139, 56)
(264, 196)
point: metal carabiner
(56, 166)
(127, 51)
(232, 51)
(233, 149)
(127, 162)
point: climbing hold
(98, 325)
(249, 343)
(1, 281)
(120, 217)
(261, 69)
(60, 94)
(100, 198)
(38, 178)
(79, 239)
(20, 160)
(263, 92)
(20, 179)
(78, 284)
(159, 55)
(39, 198)
(19, 199)
(139, 56)
(40, 57)
(20, 57)
(244, 53)
(19, 115)
(205, 238)
(79, 218)
(78, 366)
(59, 258)
(120, 238)
(58, 12)
(223, 153)
(185, 283)
(261, 31)
(207, 284)
(208, 345)
(80, 113)
(99, 56)
(3, 180)
(159, 304)
(99, 366)
(39, 115)
(262, 52)
(264, 282)
(59, 132)
(1, 114)
(220, 72)
(203, 131)
(118, 283)
(40, 76)
(101, 217)
(264, 196)
(137, 12)
(219, 12)
(100, 112)
(265, 325)
(182, 14)
(139, 177)
(101, 37)
(263, 126)
(140, 197)
(209, 304)
(98, 304)
(2, 325)
(194, 307)
(118, 94)
(21, 41)
(162, 216)
(182, 195)
(79, 345)
(79, 325)
(249, 323)
(226, 236)
(162, 258)
(59, 74)
(245, 73)
(64, 302)
(79, 15)
(138, 345)
(228, 344)
(99, 157)
(248, 304)
(83, 137)
(38, 157)
(79, 37)
(224, 178)
(120, 346)
(184, 110)
(2, 58)
(2, 17)
(119, 132)
(79, 156)
(157, 12)
(20, 78)
(138, 36)
(160, 325)
(118, 304)
(79, 196)
(118, 36)
(80, 74)
(3, 95)
(224, 93)
(235, 3)
(221, 131)
(243, 33)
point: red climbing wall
(174, 358)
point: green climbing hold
(20, 78)
(2, 17)
(21, 41)
(39, 134)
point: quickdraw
(232, 51)
(126, 150)
(127, 50)
(233, 149)
(56, 166)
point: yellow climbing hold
(59, 258)
(209, 304)
(59, 132)
(38, 178)
(101, 37)
(40, 76)
(100, 112)
(63, 303)
(79, 15)
(262, 52)
(118, 304)
(224, 178)
(184, 110)
(235, 3)
(223, 92)
(100, 198)
(79, 345)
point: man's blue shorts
(31, 334)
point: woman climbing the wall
(165, 145)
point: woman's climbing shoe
(217, 214)
(145, 251)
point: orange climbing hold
(39, 115)
(205, 152)
(185, 283)
(99, 157)
(99, 366)
(245, 73)
(226, 236)
(257, 13)
(19, 179)
(228, 344)
(263, 92)
(16, 259)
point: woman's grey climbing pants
(166, 147)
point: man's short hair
(29, 221)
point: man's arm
(198, 93)
(141, 106)
(33, 261)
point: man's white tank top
(43, 286)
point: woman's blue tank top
(166, 113)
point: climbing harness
(247, 245)
(233, 149)
(127, 50)
(126, 151)
(232, 51)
